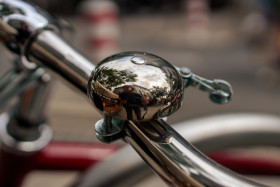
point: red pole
(101, 19)
(197, 21)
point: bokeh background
(234, 40)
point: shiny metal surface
(136, 86)
(13, 144)
(209, 134)
(19, 23)
(129, 86)
(53, 53)
(175, 160)
(109, 129)
(33, 110)
(30, 32)
(27, 119)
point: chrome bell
(136, 86)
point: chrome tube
(30, 32)
(33, 110)
(24, 146)
(209, 134)
(16, 82)
(175, 160)
(53, 53)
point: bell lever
(219, 91)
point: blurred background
(234, 40)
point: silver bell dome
(136, 86)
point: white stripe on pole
(101, 19)
(197, 20)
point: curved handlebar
(175, 160)
(52, 52)
(25, 30)
(33, 34)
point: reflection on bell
(136, 86)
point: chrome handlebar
(31, 33)
(50, 51)
(175, 160)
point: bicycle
(31, 33)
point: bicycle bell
(136, 86)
